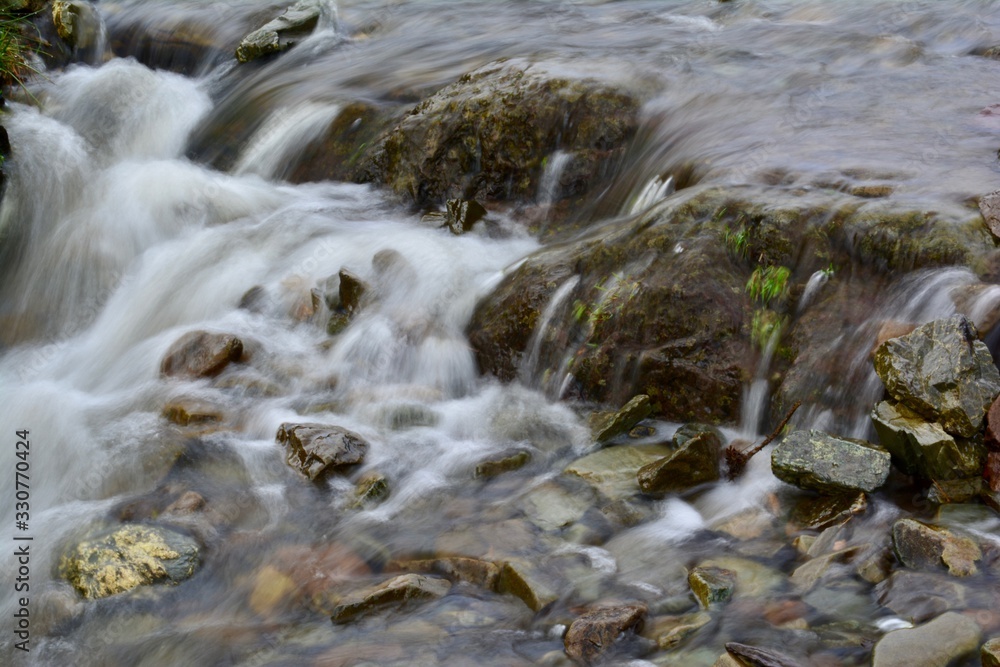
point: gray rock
(594, 634)
(316, 450)
(694, 463)
(936, 644)
(296, 23)
(815, 460)
(924, 448)
(392, 593)
(523, 580)
(920, 596)
(607, 427)
(943, 372)
(612, 470)
(753, 656)
(923, 547)
(128, 557)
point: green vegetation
(14, 66)
(768, 283)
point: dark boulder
(201, 354)
(316, 450)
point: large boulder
(125, 558)
(816, 460)
(488, 135)
(316, 450)
(924, 448)
(943, 372)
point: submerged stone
(612, 470)
(315, 450)
(482, 573)
(594, 635)
(924, 448)
(821, 512)
(523, 580)
(815, 460)
(943, 372)
(128, 557)
(395, 592)
(201, 354)
(989, 654)
(506, 462)
(923, 547)
(711, 584)
(352, 290)
(947, 638)
(371, 489)
(695, 462)
(753, 656)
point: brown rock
(925, 547)
(316, 450)
(352, 291)
(317, 570)
(191, 412)
(188, 503)
(201, 354)
(394, 592)
(470, 570)
(992, 472)
(989, 206)
(593, 634)
(891, 329)
(821, 512)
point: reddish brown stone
(992, 471)
(993, 426)
(593, 634)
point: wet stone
(943, 372)
(370, 490)
(815, 460)
(991, 473)
(508, 462)
(523, 580)
(315, 450)
(993, 426)
(395, 592)
(672, 630)
(191, 412)
(947, 638)
(296, 23)
(462, 214)
(612, 470)
(594, 634)
(695, 462)
(920, 596)
(352, 291)
(821, 512)
(711, 585)
(611, 426)
(989, 205)
(128, 557)
(923, 547)
(989, 654)
(948, 491)
(201, 354)
(482, 573)
(753, 656)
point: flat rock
(815, 460)
(128, 557)
(595, 633)
(924, 448)
(395, 592)
(753, 656)
(523, 580)
(192, 412)
(923, 547)
(821, 512)
(316, 450)
(611, 426)
(201, 354)
(474, 571)
(506, 462)
(612, 470)
(948, 637)
(695, 462)
(943, 372)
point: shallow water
(122, 237)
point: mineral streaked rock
(128, 557)
(815, 460)
(920, 546)
(693, 463)
(282, 33)
(394, 592)
(943, 372)
(315, 450)
(633, 412)
(711, 585)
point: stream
(129, 220)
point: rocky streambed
(352, 334)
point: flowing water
(119, 237)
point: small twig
(737, 459)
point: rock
(809, 574)
(695, 462)
(371, 489)
(201, 354)
(991, 473)
(316, 450)
(949, 491)
(507, 462)
(486, 135)
(612, 470)
(77, 23)
(521, 579)
(271, 587)
(993, 426)
(352, 291)
(475, 571)
(752, 656)
(594, 634)
(923, 547)
(671, 631)
(611, 426)
(943, 372)
(990, 653)
(815, 460)
(821, 512)
(923, 448)
(339, 153)
(188, 502)
(920, 596)
(557, 503)
(125, 558)
(295, 24)
(711, 584)
(395, 592)
(462, 214)
(989, 205)
(191, 412)
(947, 638)
(753, 579)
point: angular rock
(611, 426)
(693, 430)
(752, 656)
(371, 489)
(943, 372)
(923, 448)
(508, 462)
(612, 470)
(920, 596)
(474, 571)
(815, 460)
(695, 462)
(993, 426)
(201, 354)
(316, 450)
(295, 24)
(711, 584)
(595, 633)
(989, 654)
(991, 473)
(809, 574)
(77, 23)
(821, 512)
(947, 638)
(352, 291)
(462, 214)
(189, 412)
(671, 631)
(924, 547)
(989, 205)
(521, 579)
(949, 491)
(131, 556)
(395, 592)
